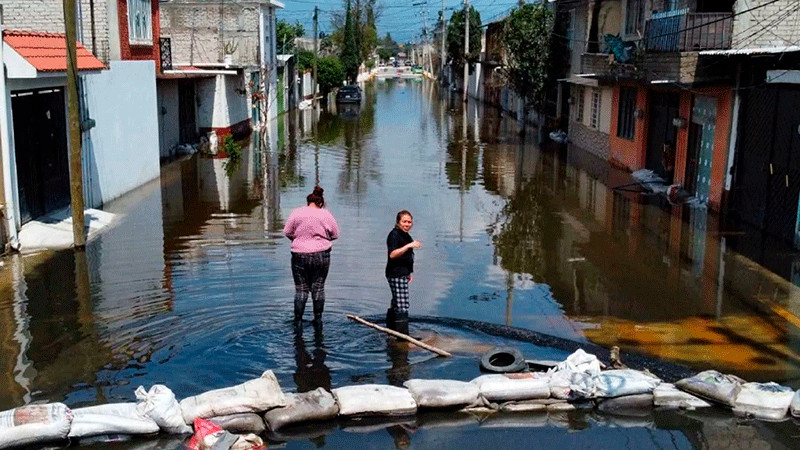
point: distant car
(408, 63)
(349, 94)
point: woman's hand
(410, 278)
(415, 244)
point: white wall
(121, 152)
(220, 104)
(168, 117)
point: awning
(582, 79)
(31, 54)
(751, 51)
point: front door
(700, 151)
(40, 143)
(663, 108)
(186, 112)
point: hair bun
(318, 191)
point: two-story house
(220, 68)
(117, 57)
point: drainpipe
(9, 208)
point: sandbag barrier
(234, 417)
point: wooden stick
(400, 335)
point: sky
(403, 19)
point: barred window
(626, 120)
(580, 94)
(595, 108)
(140, 22)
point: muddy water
(192, 286)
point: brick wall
(48, 16)
(774, 25)
(200, 32)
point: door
(663, 108)
(40, 147)
(186, 112)
(701, 141)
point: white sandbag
(315, 405)
(374, 399)
(667, 395)
(794, 406)
(442, 393)
(256, 395)
(577, 365)
(159, 404)
(240, 423)
(627, 405)
(513, 386)
(712, 385)
(113, 418)
(614, 383)
(34, 424)
(763, 400)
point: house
(117, 68)
(221, 57)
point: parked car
(349, 94)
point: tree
(350, 53)
(305, 60)
(285, 35)
(455, 37)
(526, 40)
(330, 74)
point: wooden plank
(408, 338)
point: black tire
(503, 360)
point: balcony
(684, 31)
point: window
(595, 108)
(140, 22)
(634, 16)
(580, 94)
(626, 120)
(570, 31)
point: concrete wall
(122, 151)
(197, 37)
(773, 25)
(169, 123)
(48, 16)
(221, 104)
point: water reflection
(311, 373)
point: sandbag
(208, 436)
(577, 365)
(256, 395)
(614, 383)
(628, 405)
(794, 406)
(374, 399)
(667, 395)
(159, 404)
(34, 424)
(763, 400)
(113, 418)
(442, 393)
(513, 386)
(315, 405)
(240, 423)
(712, 385)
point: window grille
(140, 22)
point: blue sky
(400, 18)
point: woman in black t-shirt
(399, 268)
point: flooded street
(192, 286)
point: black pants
(310, 271)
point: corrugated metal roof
(752, 51)
(47, 52)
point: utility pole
(444, 38)
(314, 70)
(75, 160)
(466, 47)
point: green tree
(285, 35)
(527, 43)
(305, 60)
(455, 37)
(330, 74)
(349, 55)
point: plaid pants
(399, 287)
(309, 271)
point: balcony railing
(166, 53)
(683, 31)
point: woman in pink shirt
(311, 229)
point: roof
(753, 51)
(47, 52)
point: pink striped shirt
(311, 229)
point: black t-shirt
(403, 265)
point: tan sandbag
(768, 401)
(442, 393)
(258, 395)
(374, 399)
(34, 424)
(315, 405)
(714, 386)
(667, 395)
(240, 423)
(513, 386)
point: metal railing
(165, 45)
(683, 31)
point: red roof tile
(47, 52)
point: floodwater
(192, 287)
